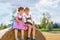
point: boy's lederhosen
(27, 22)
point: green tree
(3, 27)
(46, 21)
(43, 21)
(38, 26)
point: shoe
(33, 39)
(28, 38)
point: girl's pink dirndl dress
(18, 25)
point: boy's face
(26, 11)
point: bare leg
(16, 32)
(29, 31)
(33, 32)
(22, 33)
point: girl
(29, 22)
(18, 23)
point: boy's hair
(27, 8)
(20, 8)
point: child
(18, 23)
(29, 22)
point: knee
(34, 29)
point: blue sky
(37, 7)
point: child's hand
(21, 22)
(25, 24)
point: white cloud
(47, 3)
(5, 8)
(5, 12)
(6, 20)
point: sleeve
(24, 19)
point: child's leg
(29, 31)
(16, 32)
(22, 34)
(33, 32)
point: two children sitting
(24, 22)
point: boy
(29, 22)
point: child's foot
(28, 38)
(16, 39)
(22, 39)
(32, 39)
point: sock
(22, 37)
(16, 38)
(33, 37)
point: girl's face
(26, 12)
(21, 11)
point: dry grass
(51, 36)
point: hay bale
(9, 35)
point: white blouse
(17, 15)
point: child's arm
(24, 19)
(18, 20)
